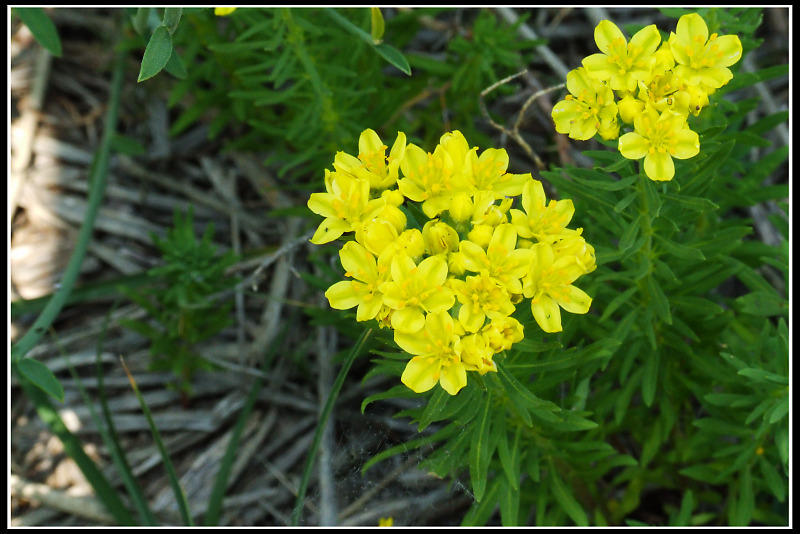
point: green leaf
(509, 455)
(42, 28)
(509, 504)
(42, 377)
(762, 303)
(778, 411)
(127, 145)
(175, 66)
(172, 17)
(436, 404)
(479, 451)
(140, 20)
(775, 482)
(620, 206)
(650, 377)
(693, 203)
(678, 250)
(660, 302)
(744, 508)
(394, 57)
(760, 375)
(156, 54)
(398, 391)
(566, 500)
(480, 511)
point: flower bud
(629, 107)
(439, 237)
(462, 207)
(393, 197)
(376, 235)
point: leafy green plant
(181, 300)
(675, 383)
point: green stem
(97, 185)
(323, 419)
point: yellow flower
(502, 332)
(487, 172)
(408, 243)
(549, 285)
(574, 245)
(658, 138)
(364, 291)
(415, 289)
(385, 521)
(501, 259)
(436, 358)
(372, 164)
(439, 237)
(345, 206)
(223, 11)
(588, 108)
(476, 354)
(544, 222)
(703, 59)
(622, 63)
(429, 178)
(481, 296)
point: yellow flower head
(481, 296)
(703, 59)
(588, 108)
(549, 285)
(223, 11)
(544, 222)
(658, 138)
(364, 290)
(436, 357)
(501, 333)
(415, 289)
(345, 206)
(372, 164)
(429, 178)
(385, 521)
(623, 64)
(501, 259)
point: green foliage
(677, 379)
(182, 299)
(42, 28)
(279, 80)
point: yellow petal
(369, 142)
(533, 197)
(599, 66)
(730, 47)
(440, 300)
(411, 190)
(475, 258)
(330, 229)
(547, 315)
(633, 146)
(605, 34)
(408, 320)
(322, 204)
(575, 300)
(416, 343)
(647, 39)
(659, 166)
(564, 112)
(687, 144)
(453, 378)
(691, 26)
(421, 374)
(358, 262)
(342, 295)
(401, 268)
(715, 77)
(369, 307)
(471, 317)
(583, 129)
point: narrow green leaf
(172, 17)
(760, 375)
(156, 54)
(778, 411)
(566, 500)
(129, 146)
(439, 435)
(175, 66)
(394, 57)
(42, 377)
(620, 206)
(172, 476)
(650, 377)
(509, 454)
(775, 481)
(629, 234)
(659, 300)
(480, 511)
(74, 449)
(762, 303)
(509, 504)
(678, 250)
(693, 203)
(398, 391)
(746, 502)
(42, 28)
(685, 512)
(479, 453)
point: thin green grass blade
(72, 446)
(113, 443)
(312, 453)
(180, 496)
(221, 481)
(97, 186)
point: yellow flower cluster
(449, 288)
(656, 85)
